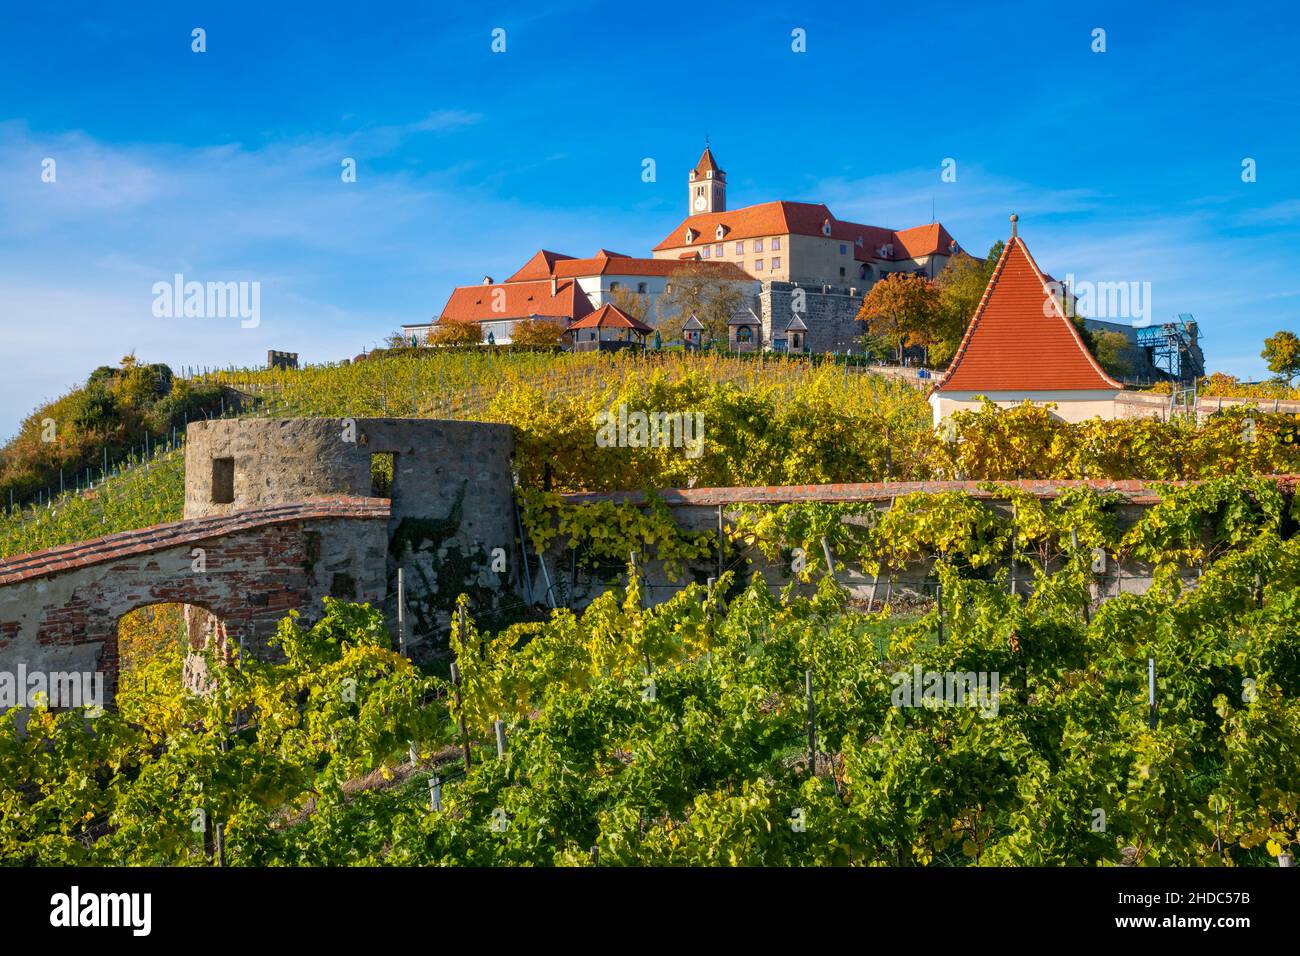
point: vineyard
(750, 729)
(732, 724)
(768, 421)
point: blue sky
(1123, 165)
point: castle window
(613, 286)
(841, 272)
(223, 481)
(717, 250)
(641, 288)
(382, 468)
(844, 249)
(758, 245)
(776, 243)
(744, 334)
(740, 248)
(758, 265)
(704, 253)
(776, 262)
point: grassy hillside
(145, 492)
(84, 436)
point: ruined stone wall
(452, 514)
(696, 509)
(59, 610)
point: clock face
(699, 203)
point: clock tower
(708, 186)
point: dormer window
(826, 227)
(709, 174)
(720, 231)
(690, 235)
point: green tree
(961, 286)
(991, 260)
(1282, 352)
(1113, 352)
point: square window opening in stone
(223, 481)
(383, 466)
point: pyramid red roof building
(707, 164)
(1021, 346)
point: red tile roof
(540, 266)
(919, 241)
(706, 163)
(809, 219)
(610, 316)
(518, 300)
(173, 534)
(605, 262)
(648, 267)
(1019, 339)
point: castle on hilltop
(801, 272)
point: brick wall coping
(1135, 491)
(68, 557)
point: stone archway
(162, 640)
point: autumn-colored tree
(456, 333)
(538, 332)
(903, 309)
(712, 301)
(1282, 352)
(635, 304)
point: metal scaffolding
(1174, 348)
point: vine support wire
(1014, 515)
(401, 611)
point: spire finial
(706, 140)
(1014, 219)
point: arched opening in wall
(158, 647)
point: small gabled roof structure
(610, 316)
(1019, 339)
(692, 325)
(744, 317)
(796, 324)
